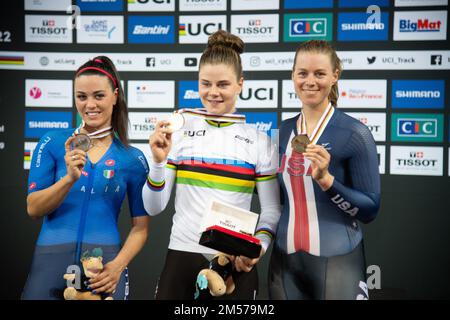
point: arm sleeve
(134, 187)
(268, 191)
(362, 199)
(156, 191)
(43, 163)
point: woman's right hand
(161, 142)
(75, 161)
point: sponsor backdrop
(396, 58)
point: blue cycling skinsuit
(88, 216)
(318, 252)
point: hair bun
(226, 39)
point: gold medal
(300, 142)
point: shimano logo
(155, 30)
(362, 26)
(418, 94)
(48, 125)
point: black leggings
(301, 276)
(178, 278)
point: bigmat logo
(420, 161)
(417, 127)
(151, 29)
(37, 123)
(303, 27)
(416, 94)
(354, 26)
(151, 5)
(100, 5)
(197, 29)
(420, 25)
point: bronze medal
(81, 142)
(300, 142)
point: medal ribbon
(203, 113)
(301, 124)
(97, 134)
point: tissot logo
(142, 124)
(197, 29)
(376, 122)
(424, 161)
(417, 127)
(256, 28)
(49, 29)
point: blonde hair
(224, 47)
(323, 47)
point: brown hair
(323, 47)
(119, 121)
(224, 47)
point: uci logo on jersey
(198, 133)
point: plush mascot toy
(92, 266)
(216, 280)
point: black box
(230, 242)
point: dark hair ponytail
(119, 120)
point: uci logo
(258, 94)
(199, 133)
(195, 29)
